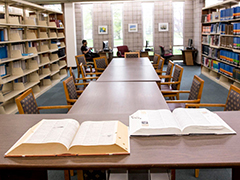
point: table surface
(118, 98)
(146, 152)
(129, 70)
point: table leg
(236, 173)
(23, 174)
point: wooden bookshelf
(218, 75)
(33, 40)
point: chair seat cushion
(165, 87)
(88, 70)
(173, 106)
(168, 54)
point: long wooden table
(119, 98)
(129, 70)
(167, 152)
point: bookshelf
(32, 51)
(221, 43)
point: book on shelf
(3, 70)
(3, 35)
(236, 74)
(226, 41)
(179, 122)
(66, 137)
(3, 51)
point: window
(211, 2)
(147, 16)
(87, 24)
(55, 7)
(117, 10)
(178, 27)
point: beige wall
(163, 14)
(132, 14)
(197, 35)
(102, 15)
(79, 30)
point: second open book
(179, 122)
(66, 137)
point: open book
(67, 138)
(179, 122)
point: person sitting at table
(88, 51)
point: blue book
(3, 52)
(1, 35)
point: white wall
(70, 33)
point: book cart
(220, 49)
(32, 51)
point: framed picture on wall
(132, 28)
(162, 27)
(102, 30)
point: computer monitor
(190, 43)
(105, 46)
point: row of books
(236, 28)
(222, 15)
(215, 16)
(3, 35)
(236, 42)
(221, 67)
(206, 29)
(210, 52)
(226, 28)
(226, 41)
(229, 56)
(227, 14)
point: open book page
(54, 131)
(92, 133)
(200, 121)
(153, 122)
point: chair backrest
(162, 51)
(233, 99)
(83, 71)
(26, 103)
(156, 59)
(100, 63)
(161, 63)
(177, 77)
(169, 70)
(122, 49)
(80, 59)
(131, 55)
(70, 89)
(196, 89)
(72, 74)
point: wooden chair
(88, 65)
(174, 84)
(100, 63)
(168, 72)
(232, 104)
(159, 69)
(85, 77)
(195, 94)
(131, 55)
(79, 86)
(70, 91)
(27, 104)
(156, 60)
